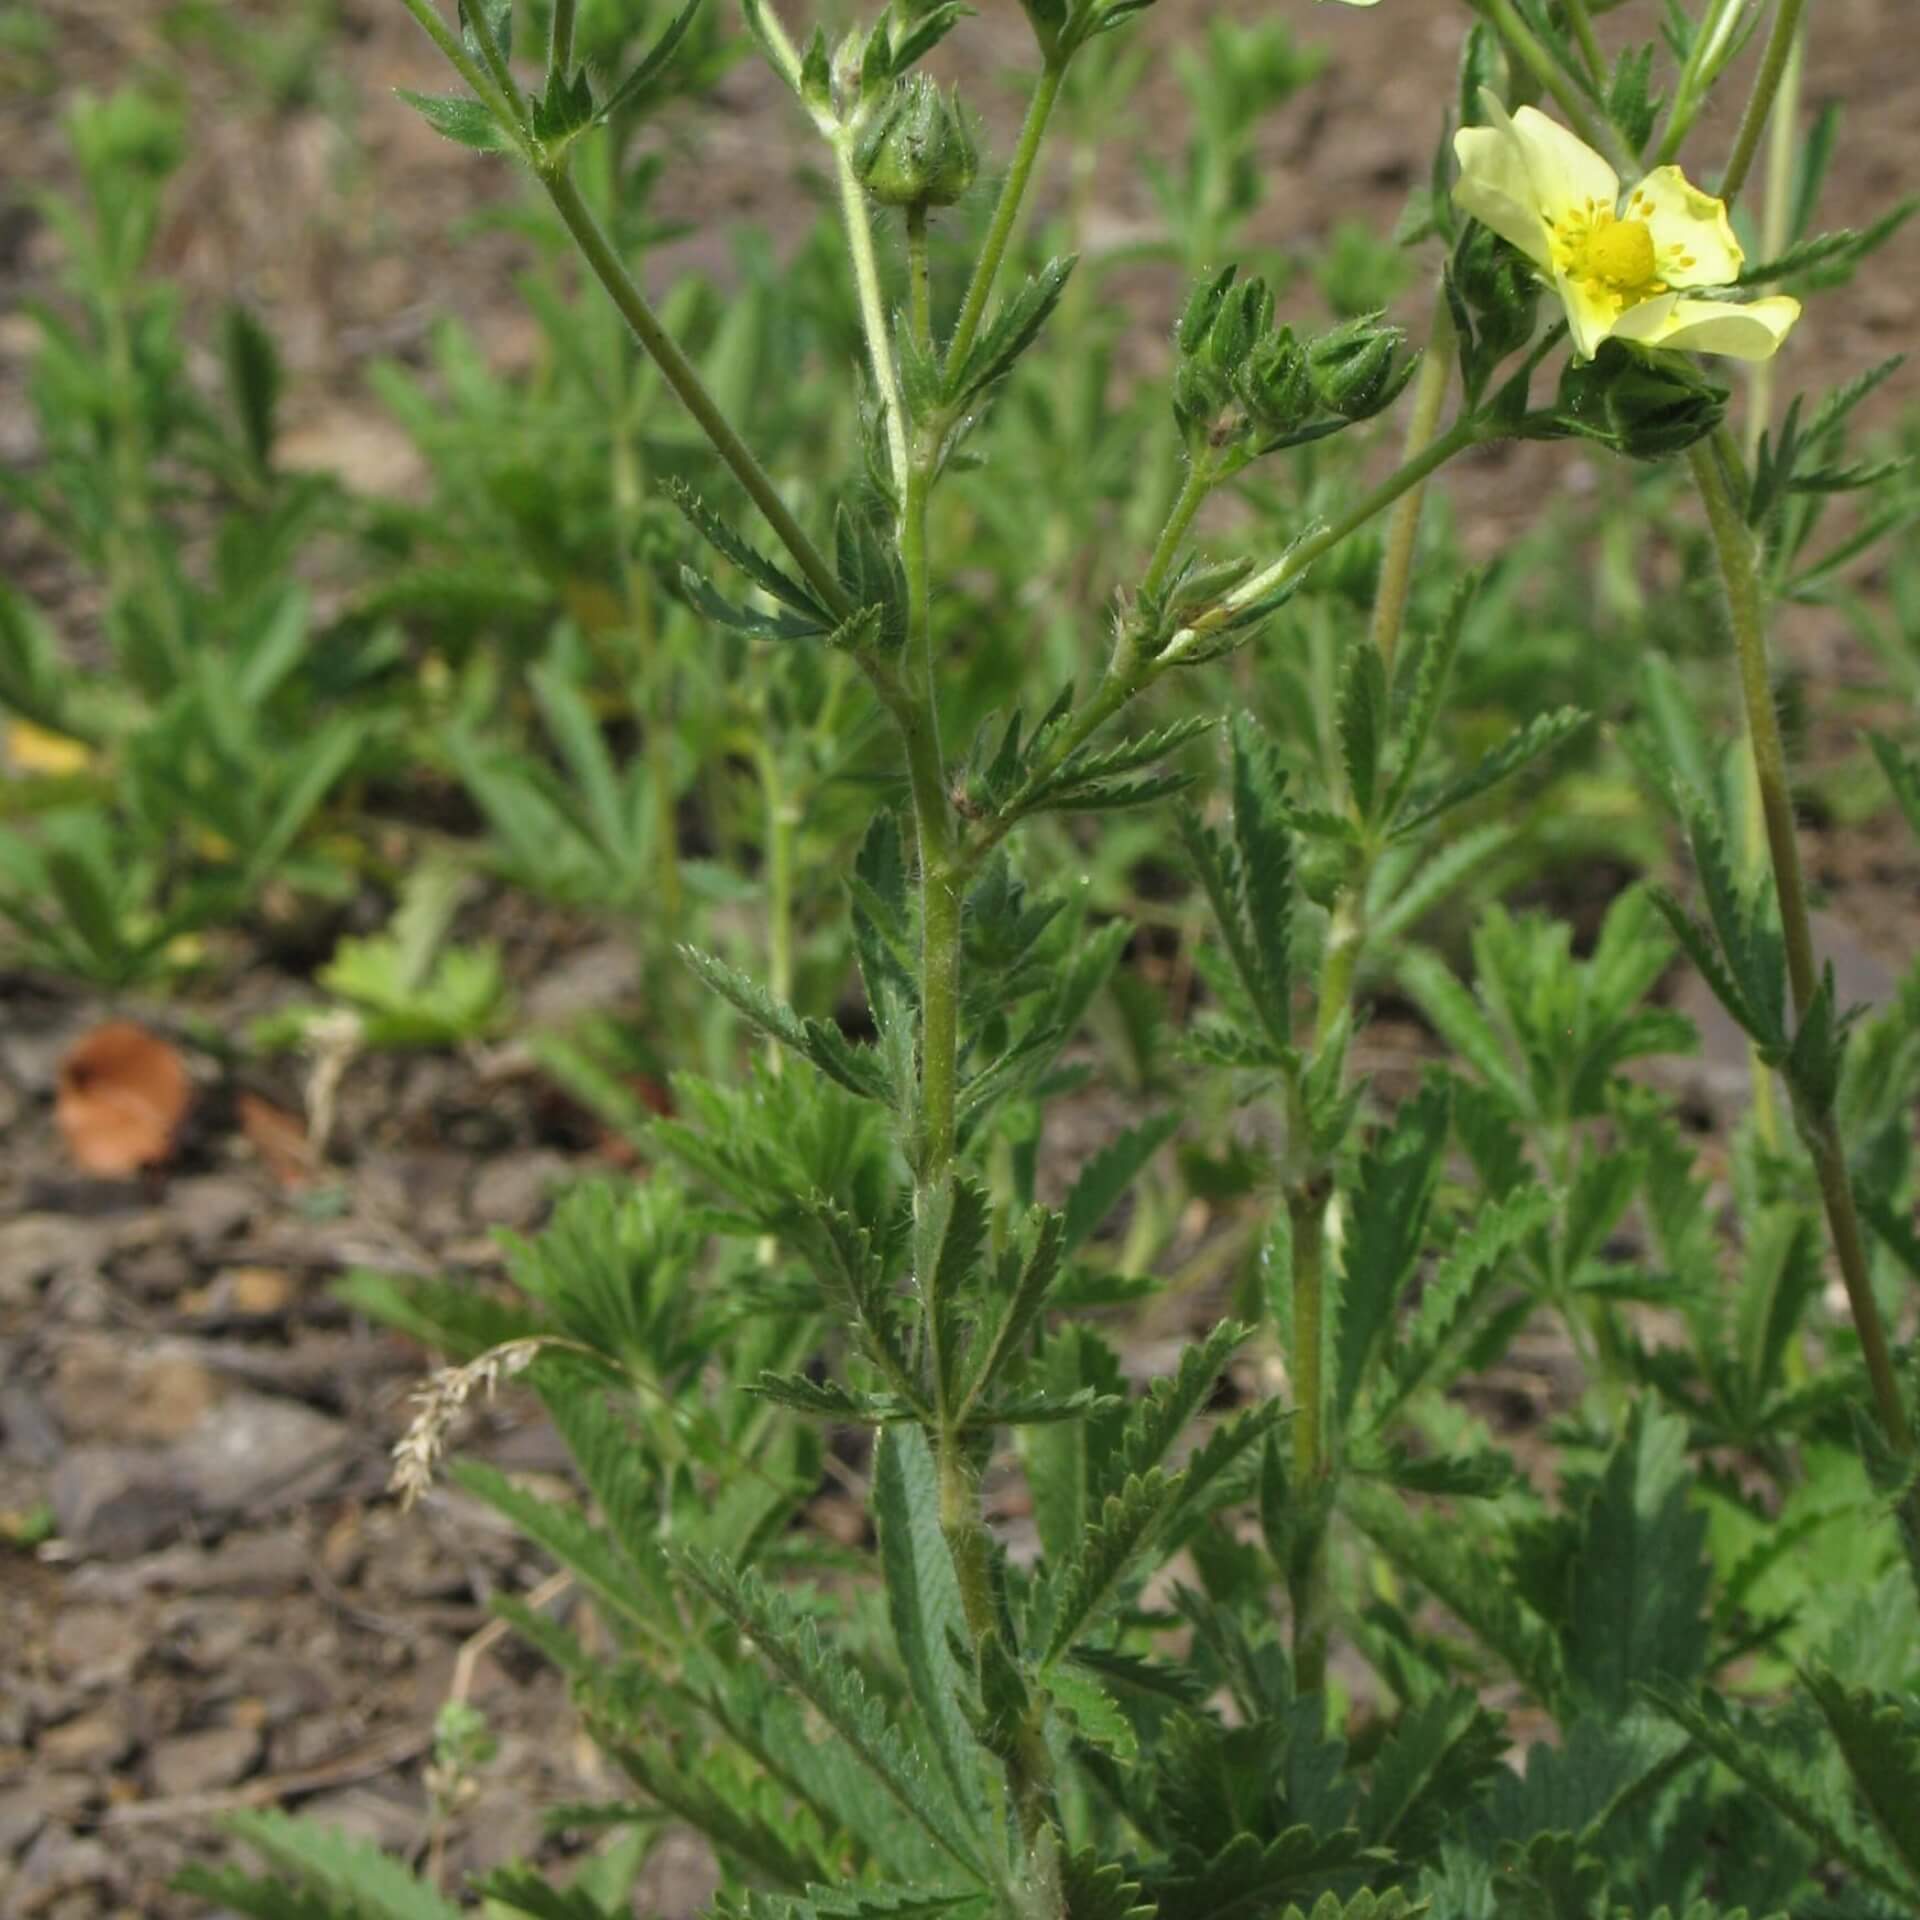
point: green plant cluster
(1003, 736)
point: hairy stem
(1782, 151)
(873, 312)
(919, 279)
(681, 375)
(1307, 1577)
(1781, 41)
(560, 43)
(479, 82)
(1581, 21)
(1734, 549)
(1006, 214)
(1403, 531)
(1193, 494)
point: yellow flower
(1622, 264)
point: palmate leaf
(1010, 333)
(1543, 734)
(1879, 1738)
(1248, 1878)
(1106, 1178)
(828, 1680)
(923, 1599)
(1430, 1771)
(633, 1588)
(1768, 1766)
(354, 1877)
(1466, 1578)
(1398, 1176)
(858, 1069)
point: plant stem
(1774, 63)
(560, 45)
(479, 83)
(1403, 532)
(1734, 550)
(1782, 150)
(1307, 1577)
(1193, 495)
(1006, 212)
(1526, 48)
(919, 290)
(873, 312)
(496, 61)
(681, 376)
(1465, 432)
(1582, 23)
(1691, 87)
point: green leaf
(253, 381)
(1543, 734)
(1010, 333)
(1394, 1195)
(459, 118)
(1460, 1021)
(1105, 1179)
(1026, 1300)
(832, 1684)
(651, 69)
(1362, 720)
(1772, 1770)
(923, 1598)
(350, 1874)
(858, 1069)
(1879, 1738)
(1639, 1576)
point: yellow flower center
(1612, 258)
(1620, 255)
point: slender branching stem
(873, 312)
(1581, 21)
(1690, 90)
(1193, 495)
(919, 279)
(1006, 213)
(1774, 63)
(1403, 530)
(681, 375)
(495, 61)
(479, 82)
(560, 42)
(1128, 674)
(1734, 548)
(1783, 148)
(1525, 46)
(1307, 1577)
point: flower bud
(1274, 385)
(917, 152)
(1501, 289)
(1202, 305)
(1646, 406)
(1357, 369)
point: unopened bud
(917, 151)
(1358, 369)
(1501, 289)
(1644, 405)
(1275, 386)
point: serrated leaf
(458, 118)
(1541, 735)
(819, 1041)
(1105, 1179)
(352, 1873)
(654, 64)
(1362, 721)
(923, 1598)
(1010, 333)
(1879, 1738)
(832, 1684)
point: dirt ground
(232, 1613)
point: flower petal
(1752, 331)
(1592, 317)
(1494, 187)
(1567, 174)
(1687, 225)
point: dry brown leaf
(123, 1094)
(278, 1137)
